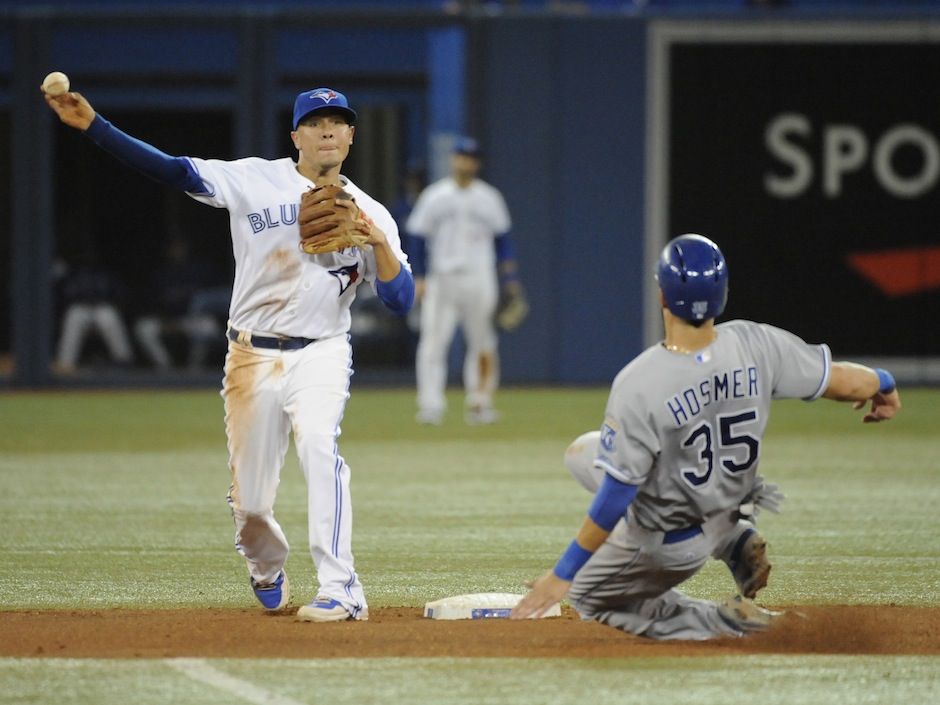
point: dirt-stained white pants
(269, 394)
(468, 299)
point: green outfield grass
(784, 680)
(127, 490)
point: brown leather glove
(513, 307)
(330, 220)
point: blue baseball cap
(468, 146)
(318, 99)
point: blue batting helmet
(693, 277)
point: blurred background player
(413, 182)
(289, 359)
(458, 237)
(177, 285)
(679, 450)
(90, 296)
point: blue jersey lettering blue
(737, 383)
(265, 220)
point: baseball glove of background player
(513, 308)
(328, 226)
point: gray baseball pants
(629, 583)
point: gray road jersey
(688, 428)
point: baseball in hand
(56, 83)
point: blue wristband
(885, 381)
(571, 561)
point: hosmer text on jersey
(737, 383)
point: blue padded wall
(564, 131)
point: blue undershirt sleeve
(505, 249)
(611, 502)
(506, 259)
(177, 172)
(398, 294)
(417, 254)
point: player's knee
(579, 459)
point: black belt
(677, 535)
(258, 341)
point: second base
(480, 605)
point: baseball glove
(513, 308)
(327, 225)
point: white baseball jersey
(459, 224)
(279, 289)
(687, 428)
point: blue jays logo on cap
(320, 99)
(324, 94)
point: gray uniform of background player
(687, 430)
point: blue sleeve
(397, 294)
(506, 260)
(505, 249)
(611, 502)
(177, 172)
(417, 254)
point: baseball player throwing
(675, 469)
(460, 225)
(289, 360)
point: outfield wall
(806, 145)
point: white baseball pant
(79, 319)
(268, 394)
(468, 299)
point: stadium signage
(811, 153)
(844, 149)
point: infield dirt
(232, 633)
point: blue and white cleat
(274, 596)
(323, 609)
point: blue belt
(258, 341)
(677, 535)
